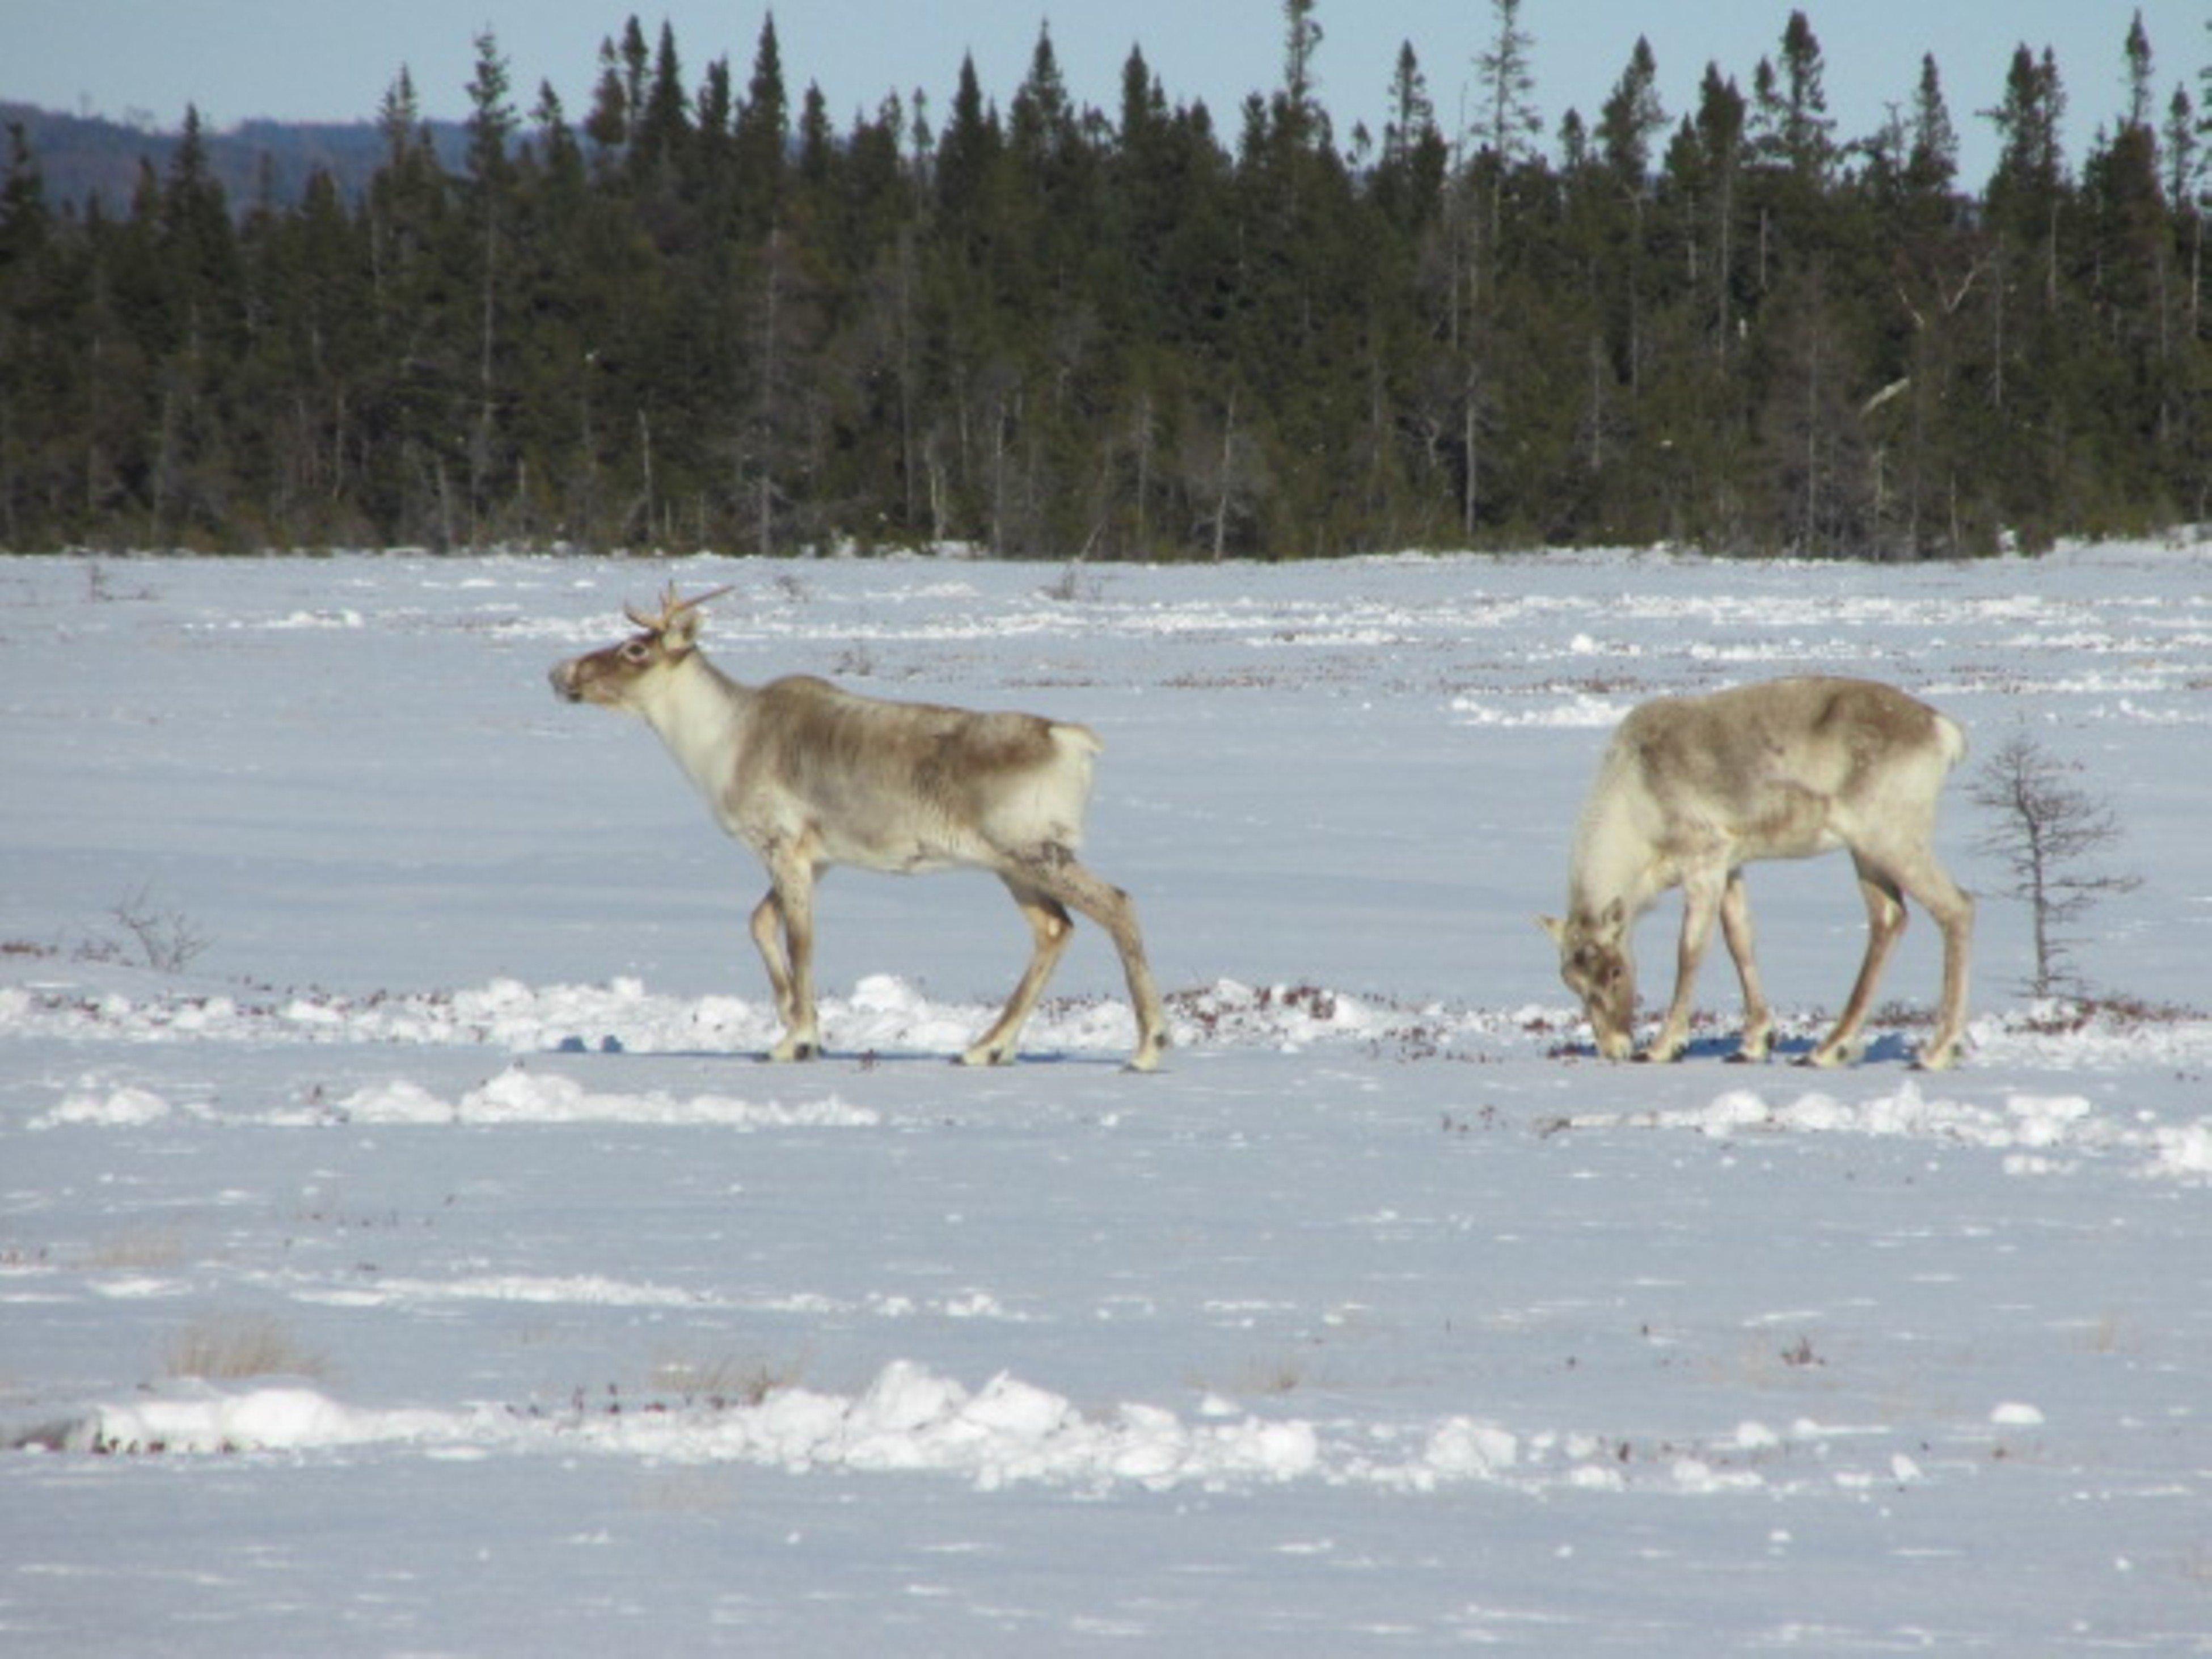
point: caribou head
(614, 678)
(1597, 964)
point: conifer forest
(703, 314)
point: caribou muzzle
(563, 678)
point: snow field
(541, 1317)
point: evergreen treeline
(700, 318)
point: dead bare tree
(2042, 828)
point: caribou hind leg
(1055, 873)
(1050, 928)
(1953, 911)
(1885, 919)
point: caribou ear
(1553, 928)
(681, 632)
(679, 629)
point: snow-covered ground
(401, 1250)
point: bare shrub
(148, 1251)
(1074, 585)
(232, 1347)
(725, 1380)
(167, 941)
(169, 938)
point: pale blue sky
(313, 59)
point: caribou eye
(636, 651)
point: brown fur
(835, 747)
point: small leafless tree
(2043, 828)
(168, 940)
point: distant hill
(83, 156)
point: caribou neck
(701, 714)
(1615, 860)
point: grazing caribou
(809, 775)
(1691, 789)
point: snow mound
(516, 1095)
(886, 1014)
(914, 1420)
(2026, 1126)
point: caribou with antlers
(1690, 789)
(809, 775)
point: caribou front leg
(768, 929)
(1736, 928)
(793, 900)
(1701, 902)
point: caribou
(1691, 789)
(810, 776)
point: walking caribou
(1691, 789)
(809, 775)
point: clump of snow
(206, 1418)
(347, 618)
(1464, 1448)
(110, 1109)
(1583, 710)
(2023, 1123)
(519, 1095)
(2184, 1151)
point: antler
(672, 607)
